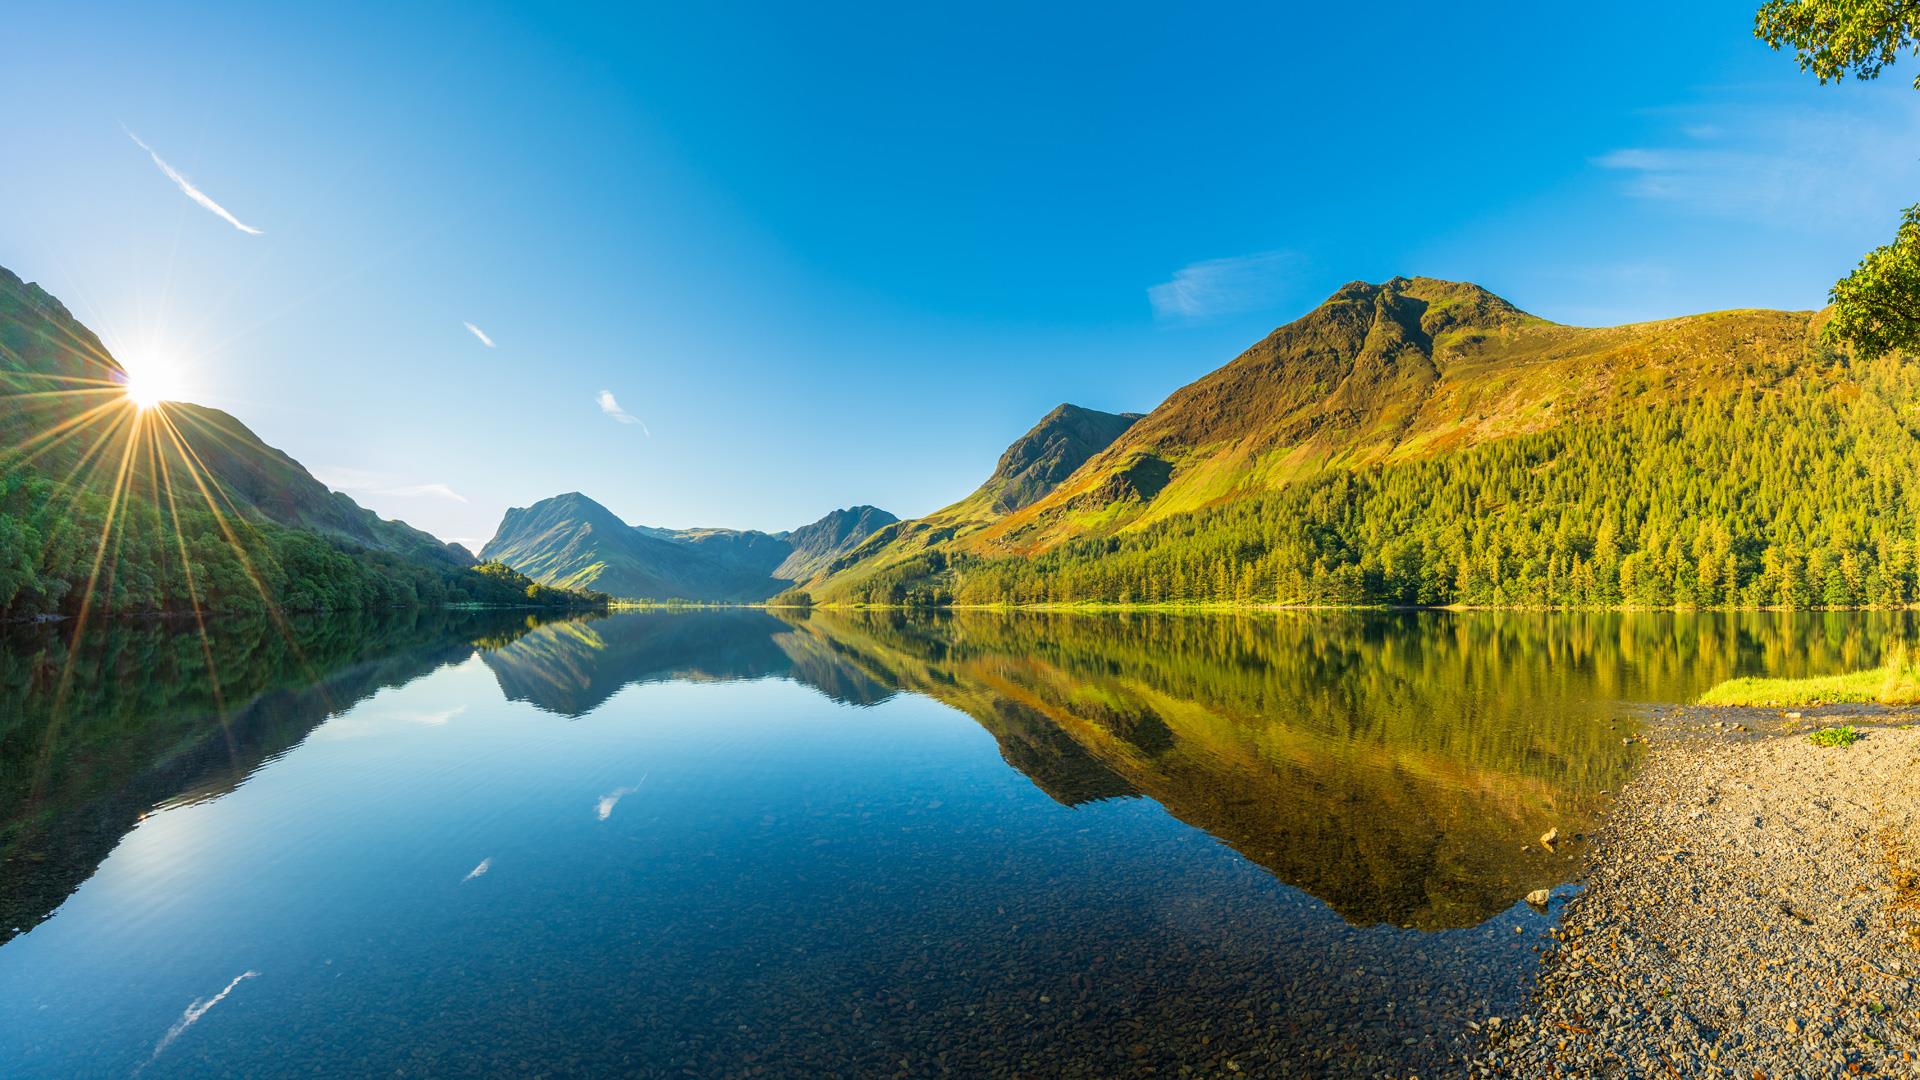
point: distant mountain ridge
(571, 541)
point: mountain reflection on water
(1394, 772)
(1394, 767)
(146, 714)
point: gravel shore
(1751, 910)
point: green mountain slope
(570, 541)
(1421, 441)
(107, 506)
(53, 369)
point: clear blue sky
(831, 255)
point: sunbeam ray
(165, 486)
(195, 467)
(65, 430)
(93, 575)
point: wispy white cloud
(604, 808)
(1224, 286)
(193, 1014)
(435, 491)
(1812, 167)
(612, 408)
(486, 864)
(191, 192)
(481, 334)
(374, 483)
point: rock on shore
(1752, 910)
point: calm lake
(734, 843)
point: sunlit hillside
(1425, 442)
(113, 499)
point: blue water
(642, 863)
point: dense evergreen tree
(151, 554)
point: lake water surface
(734, 843)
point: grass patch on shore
(1896, 682)
(1852, 688)
(1845, 735)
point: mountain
(1036, 463)
(105, 505)
(570, 541)
(1027, 471)
(56, 371)
(1427, 442)
(1377, 372)
(817, 545)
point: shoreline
(1103, 606)
(50, 618)
(1751, 908)
(1078, 607)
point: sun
(149, 382)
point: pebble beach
(1752, 909)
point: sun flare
(150, 382)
